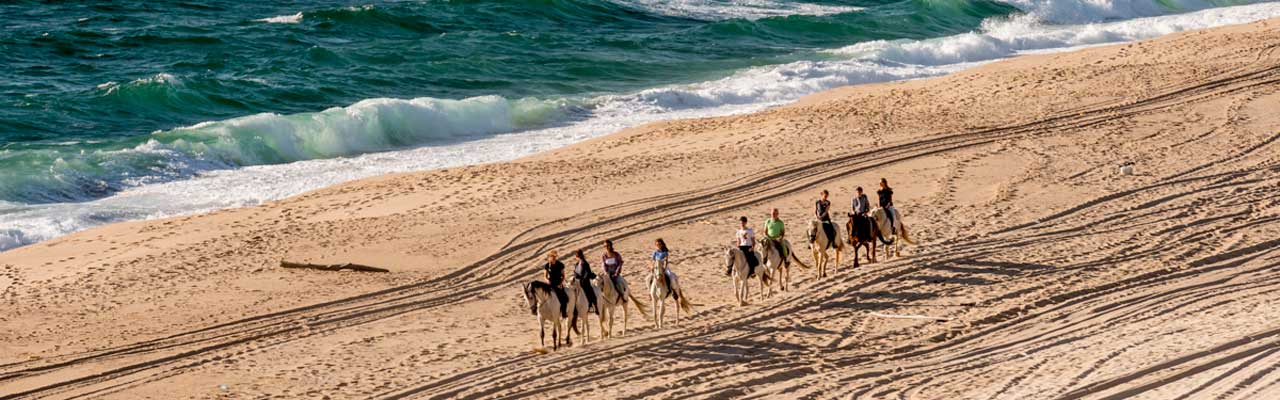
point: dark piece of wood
(333, 267)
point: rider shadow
(937, 279)
(1004, 268)
(898, 295)
(730, 350)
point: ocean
(128, 110)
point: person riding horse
(554, 272)
(746, 239)
(885, 195)
(660, 255)
(821, 210)
(860, 203)
(613, 267)
(583, 275)
(774, 230)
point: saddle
(666, 280)
(777, 246)
(618, 288)
(892, 213)
(563, 296)
(829, 229)
(861, 229)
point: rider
(660, 255)
(773, 233)
(820, 210)
(554, 272)
(613, 266)
(746, 238)
(583, 275)
(886, 202)
(860, 203)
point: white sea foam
(1086, 11)
(283, 19)
(471, 131)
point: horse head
(728, 257)
(530, 298)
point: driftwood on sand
(333, 267)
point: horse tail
(797, 260)
(684, 303)
(905, 236)
(639, 305)
(880, 234)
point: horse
(776, 262)
(862, 234)
(613, 298)
(819, 242)
(579, 307)
(660, 289)
(544, 304)
(881, 216)
(737, 262)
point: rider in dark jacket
(583, 275)
(554, 271)
(822, 209)
(886, 202)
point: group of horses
(612, 296)
(860, 232)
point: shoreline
(1004, 172)
(254, 184)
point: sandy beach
(1039, 270)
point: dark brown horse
(862, 232)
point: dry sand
(1058, 277)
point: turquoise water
(104, 77)
(103, 98)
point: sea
(129, 110)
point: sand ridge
(1056, 277)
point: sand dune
(1041, 271)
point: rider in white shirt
(746, 238)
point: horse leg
(783, 277)
(662, 314)
(659, 308)
(542, 333)
(855, 256)
(786, 276)
(604, 332)
(826, 262)
(677, 304)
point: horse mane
(542, 286)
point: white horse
(544, 304)
(612, 299)
(737, 262)
(892, 246)
(774, 261)
(660, 289)
(819, 243)
(579, 308)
